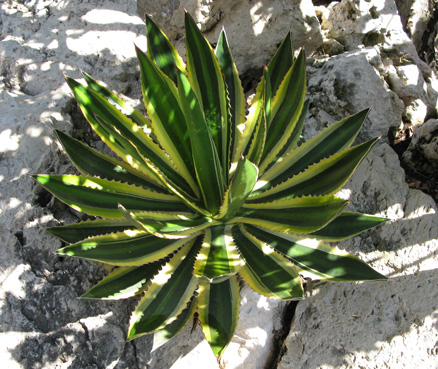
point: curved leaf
(167, 296)
(335, 138)
(207, 81)
(324, 178)
(93, 163)
(124, 282)
(266, 271)
(300, 215)
(347, 225)
(218, 312)
(79, 231)
(315, 258)
(128, 248)
(101, 197)
(162, 51)
(205, 156)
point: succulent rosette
(205, 194)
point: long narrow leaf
(124, 282)
(101, 197)
(206, 78)
(167, 296)
(300, 215)
(218, 312)
(324, 178)
(162, 51)
(330, 141)
(205, 156)
(79, 231)
(317, 258)
(235, 94)
(128, 248)
(93, 163)
(167, 119)
(266, 271)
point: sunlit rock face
(372, 63)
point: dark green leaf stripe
(347, 225)
(280, 63)
(120, 104)
(286, 109)
(205, 156)
(79, 231)
(173, 228)
(218, 258)
(124, 282)
(258, 139)
(324, 178)
(316, 257)
(167, 119)
(104, 116)
(161, 50)
(290, 144)
(235, 93)
(92, 162)
(169, 331)
(128, 248)
(300, 215)
(208, 83)
(330, 141)
(218, 312)
(167, 296)
(101, 197)
(266, 271)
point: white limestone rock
(254, 29)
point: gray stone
(254, 30)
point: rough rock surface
(389, 324)
(255, 28)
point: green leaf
(235, 94)
(93, 163)
(333, 139)
(127, 139)
(113, 99)
(347, 225)
(162, 51)
(124, 282)
(315, 258)
(218, 312)
(78, 231)
(169, 331)
(128, 248)
(207, 81)
(218, 258)
(299, 215)
(266, 271)
(278, 67)
(205, 155)
(287, 106)
(167, 119)
(242, 183)
(167, 296)
(167, 225)
(292, 142)
(101, 197)
(324, 178)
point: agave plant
(204, 195)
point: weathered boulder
(254, 29)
